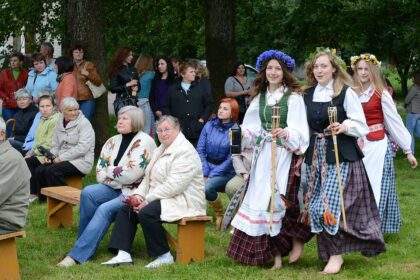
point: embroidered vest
(266, 111)
(374, 117)
(317, 113)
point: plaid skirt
(363, 227)
(389, 209)
(257, 250)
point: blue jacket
(214, 145)
(46, 80)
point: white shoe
(67, 262)
(32, 198)
(116, 261)
(165, 259)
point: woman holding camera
(72, 148)
(43, 137)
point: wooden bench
(9, 265)
(60, 201)
(189, 242)
(75, 182)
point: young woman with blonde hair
(328, 85)
(381, 117)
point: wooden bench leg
(190, 243)
(9, 267)
(59, 213)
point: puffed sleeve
(297, 126)
(394, 124)
(356, 121)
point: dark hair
(261, 83)
(170, 69)
(19, 55)
(48, 47)
(235, 67)
(38, 57)
(175, 58)
(64, 64)
(416, 77)
(118, 60)
(47, 97)
(75, 47)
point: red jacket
(8, 86)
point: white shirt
(356, 121)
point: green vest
(266, 111)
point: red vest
(374, 117)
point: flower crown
(367, 57)
(328, 50)
(270, 54)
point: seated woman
(14, 186)
(120, 167)
(43, 137)
(72, 145)
(214, 150)
(173, 188)
(24, 117)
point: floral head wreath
(367, 57)
(328, 50)
(270, 54)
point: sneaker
(116, 261)
(67, 262)
(161, 260)
(32, 198)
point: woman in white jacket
(72, 145)
(173, 188)
(119, 170)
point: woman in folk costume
(261, 235)
(381, 114)
(328, 86)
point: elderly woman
(43, 137)
(120, 167)
(173, 188)
(14, 186)
(72, 145)
(24, 117)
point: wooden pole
(275, 123)
(332, 115)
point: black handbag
(123, 100)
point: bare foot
(277, 262)
(297, 250)
(334, 265)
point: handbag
(97, 91)
(123, 100)
(234, 205)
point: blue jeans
(413, 126)
(216, 184)
(9, 114)
(99, 205)
(149, 118)
(88, 108)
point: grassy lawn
(43, 248)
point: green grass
(43, 248)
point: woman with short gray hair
(72, 145)
(121, 167)
(24, 118)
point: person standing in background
(412, 103)
(10, 81)
(144, 66)
(84, 70)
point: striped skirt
(257, 250)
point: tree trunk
(85, 25)
(219, 42)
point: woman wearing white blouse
(381, 115)
(328, 86)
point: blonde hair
(144, 63)
(374, 76)
(340, 76)
(200, 70)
